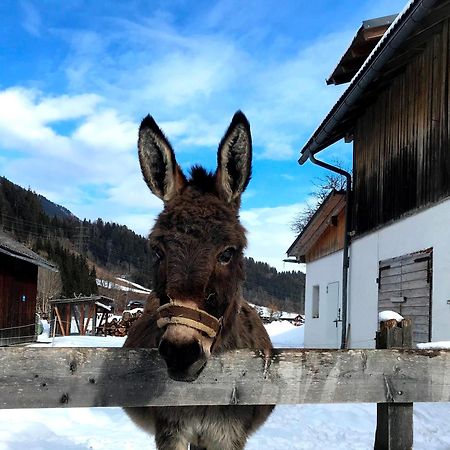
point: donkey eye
(225, 256)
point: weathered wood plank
(75, 377)
(391, 433)
(408, 293)
(404, 286)
(409, 301)
(402, 277)
(394, 420)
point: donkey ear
(234, 159)
(159, 167)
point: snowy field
(350, 426)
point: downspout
(346, 259)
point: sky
(77, 77)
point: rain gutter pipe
(346, 259)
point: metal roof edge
(395, 35)
(36, 262)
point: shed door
(404, 286)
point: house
(18, 290)
(385, 243)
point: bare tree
(49, 286)
(322, 187)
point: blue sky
(77, 77)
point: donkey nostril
(180, 357)
(164, 349)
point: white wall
(429, 228)
(320, 272)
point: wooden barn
(390, 250)
(18, 289)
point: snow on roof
(288, 316)
(103, 306)
(134, 310)
(389, 315)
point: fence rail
(75, 377)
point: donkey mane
(202, 180)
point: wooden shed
(80, 315)
(18, 290)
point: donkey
(196, 308)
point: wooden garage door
(404, 286)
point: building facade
(396, 111)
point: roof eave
(35, 262)
(400, 29)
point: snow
(434, 345)
(389, 315)
(110, 285)
(337, 426)
(134, 310)
(285, 335)
(108, 308)
(138, 286)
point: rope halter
(175, 313)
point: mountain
(76, 244)
(54, 210)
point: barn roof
(389, 55)
(319, 222)
(365, 40)
(11, 247)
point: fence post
(394, 420)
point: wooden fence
(90, 377)
(72, 377)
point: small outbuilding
(74, 315)
(18, 290)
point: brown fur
(191, 238)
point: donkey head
(197, 243)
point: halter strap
(176, 313)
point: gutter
(397, 33)
(346, 259)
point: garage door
(404, 286)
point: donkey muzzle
(186, 352)
(174, 313)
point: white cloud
(193, 81)
(106, 130)
(269, 234)
(97, 161)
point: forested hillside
(55, 232)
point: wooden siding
(404, 286)
(401, 146)
(322, 235)
(330, 241)
(18, 281)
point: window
(315, 302)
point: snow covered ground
(346, 426)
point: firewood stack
(120, 327)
